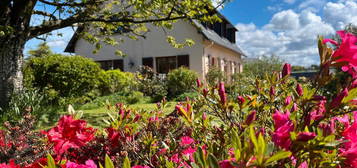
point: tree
(104, 17)
(42, 50)
(264, 65)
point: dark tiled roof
(213, 36)
(207, 33)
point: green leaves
(278, 156)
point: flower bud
(299, 90)
(198, 83)
(287, 100)
(241, 100)
(337, 100)
(272, 91)
(222, 93)
(205, 92)
(294, 108)
(251, 117)
(305, 136)
(204, 116)
(286, 70)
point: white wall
(217, 51)
(155, 45)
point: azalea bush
(279, 123)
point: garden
(139, 120)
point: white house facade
(214, 46)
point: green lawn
(95, 116)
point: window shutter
(183, 60)
(148, 62)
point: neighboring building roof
(207, 33)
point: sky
(285, 28)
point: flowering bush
(281, 123)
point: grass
(96, 116)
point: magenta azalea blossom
(346, 51)
(283, 126)
(186, 140)
(139, 166)
(69, 133)
(305, 136)
(88, 164)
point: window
(166, 64)
(111, 64)
(149, 62)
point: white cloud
(284, 20)
(292, 34)
(289, 1)
(340, 14)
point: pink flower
(175, 158)
(139, 166)
(305, 136)
(222, 93)
(186, 140)
(338, 99)
(287, 100)
(272, 91)
(241, 100)
(346, 51)
(225, 164)
(198, 83)
(205, 92)
(12, 164)
(88, 164)
(294, 108)
(251, 117)
(286, 70)
(283, 126)
(304, 165)
(299, 90)
(204, 116)
(349, 150)
(189, 153)
(69, 133)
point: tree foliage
(264, 65)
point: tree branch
(43, 13)
(72, 4)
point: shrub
(184, 96)
(117, 81)
(180, 80)
(214, 76)
(262, 66)
(281, 123)
(151, 84)
(62, 76)
(134, 97)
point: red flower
(251, 117)
(225, 164)
(222, 93)
(69, 133)
(305, 136)
(12, 164)
(38, 164)
(286, 70)
(337, 100)
(349, 150)
(88, 164)
(283, 126)
(299, 90)
(186, 140)
(139, 166)
(346, 51)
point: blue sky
(286, 28)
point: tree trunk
(11, 59)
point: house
(215, 46)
